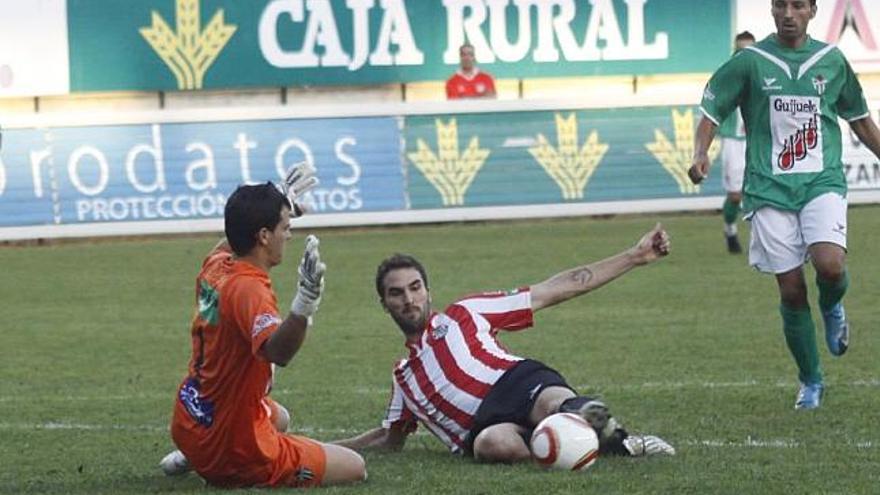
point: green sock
(800, 335)
(830, 293)
(730, 211)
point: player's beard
(412, 324)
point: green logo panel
(552, 157)
(193, 44)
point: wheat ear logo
(569, 166)
(190, 51)
(450, 171)
(677, 158)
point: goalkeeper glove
(311, 280)
(299, 179)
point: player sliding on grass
(791, 90)
(227, 428)
(466, 388)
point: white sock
(729, 229)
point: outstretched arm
(580, 280)
(868, 134)
(287, 340)
(391, 439)
(703, 139)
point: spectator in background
(469, 81)
(733, 160)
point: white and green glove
(300, 177)
(311, 280)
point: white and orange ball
(565, 441)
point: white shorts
(781, 238)
(733, 164)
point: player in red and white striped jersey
(465, 387)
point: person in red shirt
(469, 81)
(224, 424)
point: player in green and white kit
(733, 160)
(791, 90)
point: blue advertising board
(180, 171)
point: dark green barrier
(553, 157)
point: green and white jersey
(790, 101)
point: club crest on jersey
(439, 331)
(819, 83)
(199, 409)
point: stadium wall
(167, 172)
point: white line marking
(748, 443)
(870, 382)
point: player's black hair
(745, 35)
(396, 262)
(250, 209)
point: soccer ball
(565, 441)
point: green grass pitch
(95, 339)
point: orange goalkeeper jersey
(221, 417)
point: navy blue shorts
(512, 397)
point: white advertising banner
(852, 25)
(33, 48)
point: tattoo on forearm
(582, 276)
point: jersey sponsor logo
(264, 321)
(795, 105)
(199, 409)
(769, 86)
(795, 125)
(819, 83)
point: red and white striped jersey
(456, 362)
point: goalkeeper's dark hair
(396, 262)
(250, 209)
